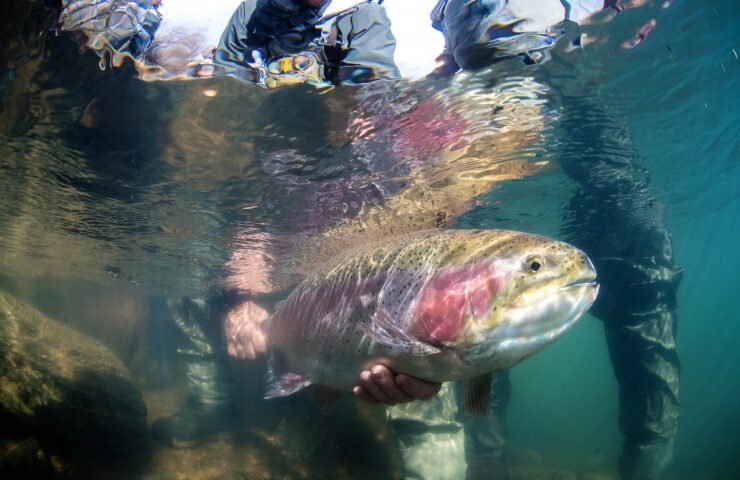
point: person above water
(272, 43)
(210, 407)
(281, 43)
(631, 251)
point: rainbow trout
(438, 305)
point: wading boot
(195, 423)
(644, 461)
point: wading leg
(430, 439)
(639, 313)
(486, 438)
(619, 222)
(208, 412)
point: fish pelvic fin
(383, 330)
(475, 394)
(287, 384)
(280, 383)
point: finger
(249, 352)
(243, 342)
(259, 343)
(417, 388)
(384, 378)
(362, 393)
(234, 344)
(367, 381)
(238, 343)
(239, 349)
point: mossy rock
(65, 387)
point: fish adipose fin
(384, 331)
(476, 395)
(282, 384)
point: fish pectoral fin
(287, 384)
(476, 395)
(384, 331)
(279, 382)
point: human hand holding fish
(245, 340)
(381, 385)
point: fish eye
(534, 264)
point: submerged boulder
(65, 387)
(23, 458)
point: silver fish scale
(326, 317)
(409, 272)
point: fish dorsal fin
(383, 330)
(476, 395)
(281, 383)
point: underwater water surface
(120, 193)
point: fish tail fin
(279, 382)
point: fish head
(502, 295)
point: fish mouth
(589, 280)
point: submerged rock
(23, 458)
(65, 387)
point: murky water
(120, 197)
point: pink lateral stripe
(448, 297)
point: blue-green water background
(682, 106)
